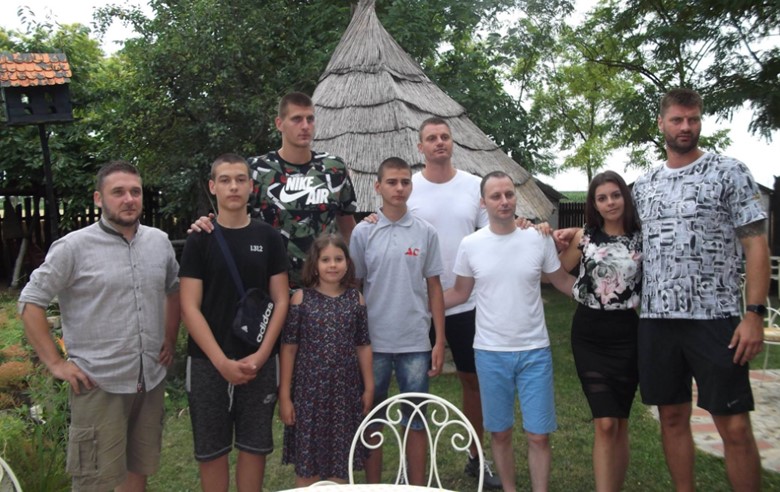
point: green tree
(204, 77)
(75, 150)
(490, 107)
(722, 49)
(573, 104)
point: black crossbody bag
(255, 307)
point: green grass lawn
(571, 466)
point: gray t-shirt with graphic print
(689, 216)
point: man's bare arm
(562, 280)
(172, 319)
(749, 335)
(346, 223)
(36, 327)
(459, 293)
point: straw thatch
(370, 102)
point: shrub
(39, 459)
(13, 374)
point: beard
(115, 218)
(691, 145)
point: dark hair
(294, 98)
(593, 218)
(228, 158)
(392, 163)
(309, 273)
(687, 98)
(112, 167)
(433, 120)
(491, 175)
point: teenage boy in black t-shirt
(231, 386)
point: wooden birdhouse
(35, 88)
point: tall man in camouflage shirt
(300, 192)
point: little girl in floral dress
(326, 380)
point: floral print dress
(326, 386)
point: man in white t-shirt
(503, 265)
(448, 199)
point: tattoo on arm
(756, 228)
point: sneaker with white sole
(490, 480)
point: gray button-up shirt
(112, 297)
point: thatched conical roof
(370, 102)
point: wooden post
(52, 210)
(774, 216)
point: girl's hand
(368, 401)
(286, 411)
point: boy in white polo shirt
(399, 263)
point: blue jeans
(411, 373)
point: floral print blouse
(610, 275)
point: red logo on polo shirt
(412, 252)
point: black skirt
(604, 344)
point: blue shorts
(529, 374)
(411, 373)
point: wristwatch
(759, 309)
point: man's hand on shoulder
(203, 224)
(523, 223)
(542, 228)
(371, 218)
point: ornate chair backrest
(444, 425)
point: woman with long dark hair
(604, 328)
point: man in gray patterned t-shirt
(696, 210)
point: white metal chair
(8, 481)
(771, 332)
(322, 483)
(444, 423)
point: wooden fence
(26, 216)
(571, 214)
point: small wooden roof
(370, 102)
(33, 69)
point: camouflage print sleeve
(347, 197)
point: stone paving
(765, 419)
